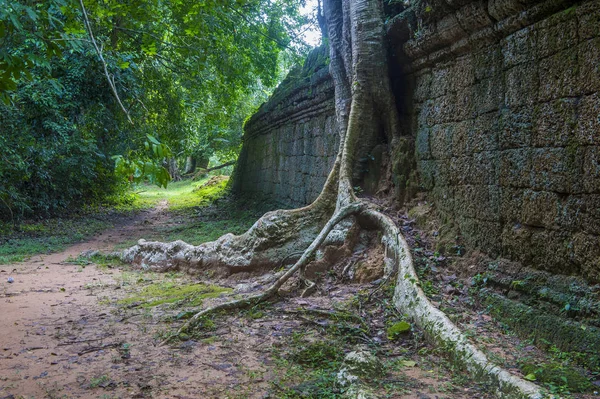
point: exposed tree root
(409, 299)
(270, 292)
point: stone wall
(291, 142)
(501, 99)
(504, 107)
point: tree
(359, 70)
(86, 82)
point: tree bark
(190, 165)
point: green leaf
(530, 377)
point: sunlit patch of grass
(171, 292)
(182, 194)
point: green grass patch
(171, 292)
(180, 195)
(46, 237)
(318, 355)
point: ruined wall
(504, 106)
(501, 100)
(291, 142)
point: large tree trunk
(190, 165)
(365, 110)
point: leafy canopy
(187, 72)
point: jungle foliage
(187, 73)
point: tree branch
(111, 82)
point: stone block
(478, 169)
(444, 175)
(516, 241)
(441, 78)
(552, 251)
(591, 170)
(557, 169)
(511, 204)
(589, 66)
(426, 114)
(477, 201)
(461, 138)
(427, 172)
(515, 168)
(460, 170)
(489, 94)
(558, 75)
(588, 17)
(591, 215)
(464, 105)
(484, 136)
(481, 234)
(588, 126)
(540, 209)
(422, 84)
(440, 140)
(319, 146)
(555, 123)
(485, 168)
(487, 63)
(519, 47)
(555, 33)
(444, 199)
(586, 249)
(474, 16)
(515, 128)
(422, 147)
(463, 73)
(522, 85)
(572, 213)
(445, 109)
(501, 9)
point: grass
(201, 212)
(172, 292)
(46, 237)
(180, 195)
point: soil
(65, 335)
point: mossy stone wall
(504, 105)
(501, 99)
(291, 142)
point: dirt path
(65, 335)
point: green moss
(398, 329)
(557, 375)
(321, 354)
(528, 322)
(172, 292)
